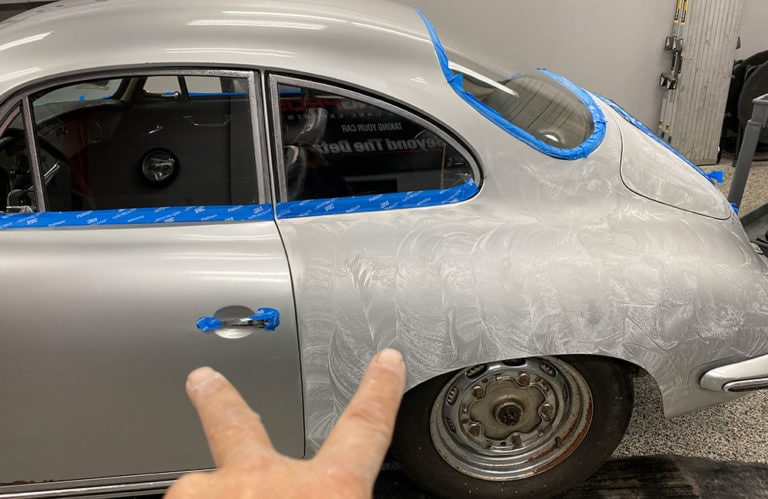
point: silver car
(280, 189)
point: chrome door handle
(267, 319)
(191, 120)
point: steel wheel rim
(511, 420)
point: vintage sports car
(280, 189)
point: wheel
(526, 428)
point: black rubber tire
(611, 387)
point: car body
(175, 144)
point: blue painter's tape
(378, 202)
(582, 151)
(137, 216)
(735, 208)
(270, 316)
(206, 324)
(717, 176)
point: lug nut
(547, 411)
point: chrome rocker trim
(742, 376)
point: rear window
(535, 103)
(541, 109)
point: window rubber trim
(582, 151)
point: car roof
(368, 42)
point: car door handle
(267, 319)
(222, 124)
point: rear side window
(338, 144)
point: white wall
(754, 28)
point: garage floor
(636, 477)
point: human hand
(346, 465)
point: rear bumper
(742, 376)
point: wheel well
(633, 370)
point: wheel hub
(501, 408)
(508, 413)
(507, 421)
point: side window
(339, 146)
(140, 142)
(86, 91)
(203, 86)
(162, 86)
(16, 187)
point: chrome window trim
(10, 116)
(34, 160)
(258, 125)
(275, 154)
(279, 165)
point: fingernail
(200, 377)
(390, 357)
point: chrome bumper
(742, 376)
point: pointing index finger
(234, 432)
(364, 431)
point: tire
(500, 447)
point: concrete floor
(629, 478)
(732, 432)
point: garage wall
(754, 28)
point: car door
(101, 294)
(370, 214)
